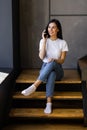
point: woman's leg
(50, 91)
(54, 75)
(50, 84)
(45, 70)
(59, 71)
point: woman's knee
(59, 75)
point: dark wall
(34, 15)
(73, 17)
(6, 47)
(16, 34)
(33, 18)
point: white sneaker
(29, 90)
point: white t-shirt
(54, 48)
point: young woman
(52, 51)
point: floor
(46, 125)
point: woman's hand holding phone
(44, 34)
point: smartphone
(45, 34)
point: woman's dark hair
(59, 34)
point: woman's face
(52, 29)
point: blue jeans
(49, 73)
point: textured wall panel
(68, 7)
(34, 15)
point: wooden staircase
(67, 100)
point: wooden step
(30, 75)
(57, 95)
(38, 113)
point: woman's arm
(62, 58)
(42, 52)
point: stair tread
(41, 95)
(30, 75)
(38, 113)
